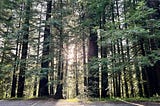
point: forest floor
(52, 102)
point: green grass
(140, 99)
(111, 99)
(135, 99)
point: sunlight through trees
(79, 48)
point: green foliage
(114, 23)
(140, 99)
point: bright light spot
(71, 54)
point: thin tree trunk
(84, 51)
(138, 74)
(84, 65)
(14, 78)
(130, 70)
(37, 61)
(52, 69)
(113, 50)
(76, 69)
(124, 71)
(118, 88)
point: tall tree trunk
(124, 70)
(146, 86)
(93, 75)
(76, 69)
(37, 60)
(138, 77)
(43, 86)
(15, 67)
(66, 95)
(84, 50)
(119, 52)
(113, 51)
(105, 89)
(14, 78)
(2, 89)
(118, 87)
(59, 89)
(153, 72)
(84, 64)
(129, 69)
(52, 68)
(103, 51)
(138, 72)
(21, 78)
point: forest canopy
(79, 48)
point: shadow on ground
(52, 102)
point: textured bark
(37, 60)
(138, 76)
(118, 87)
(130, 70)
(146, 85)
(154, 71)
(59, 89)
(104, 68)
(43, 86)
(93, 77)
(124, 71)
(105, 89)
(76, 69)
(14, 78)
(21, 78)
(84, 50)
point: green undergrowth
(135, 99)
(104, 99)
(15, 98)
(140, 99)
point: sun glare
(71, 54)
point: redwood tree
(43, 86)
(25, 33)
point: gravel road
(66, 103)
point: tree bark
(21, 78)
(43, 86)
(103, 51)
(59, 89)
(93, 77)
(14, 78)
(124, 70)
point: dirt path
(66, 103)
